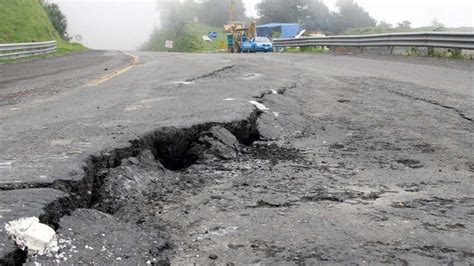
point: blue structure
(288, 30)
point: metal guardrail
(18, 50)
(454, 40)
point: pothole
(118, 183)
(252, 76)
(126, 174)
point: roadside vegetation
(405, 26)
(178, 20)
(441, 53)
(57, 18)
(27, 21)
(311, 50)
(187, 37)
(186, 22)
(315, 16)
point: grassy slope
(157, 40)
(26, 21)
(201, 30)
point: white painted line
(155, 100)
(133, 108)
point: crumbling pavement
(293, 183)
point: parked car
(246, 45)
(263, 44)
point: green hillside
(187, 38)
(26, 21)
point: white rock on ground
(260, 106)
(30, 234)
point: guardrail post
(431, 51)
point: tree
(284, 11)
(384, 24)
(218, 12)
(313, 14)
(353, 15)
(169, 15)
(336, 23)
(404, 24)
(317, 16)
(209, 12)
(437, 25)
(57, 18)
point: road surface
(277, 158)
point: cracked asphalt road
(357, 160)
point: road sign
(169, 44)
(212, 35)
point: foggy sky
(110, 24)
(125, 24)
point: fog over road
(262, 158)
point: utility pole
(231, 11)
